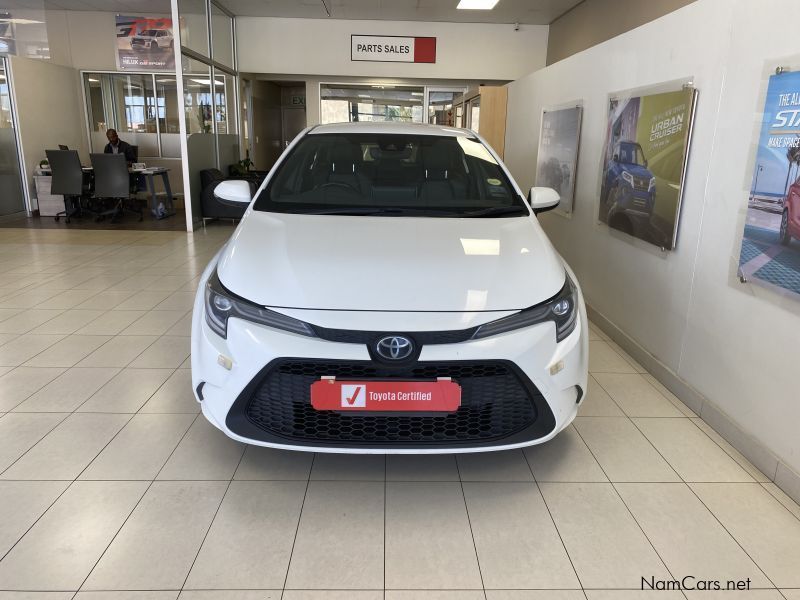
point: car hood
(390, 263)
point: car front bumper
(237, 383)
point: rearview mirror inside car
(543, 199)
(233, 192)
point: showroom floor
(111, 482)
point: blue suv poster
(145, 44)
(770, 253)
(644, 164)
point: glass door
(12, 199)
(441, 103)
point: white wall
(322, 47)
(734, 344)
(48, 105)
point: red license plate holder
(440, 395)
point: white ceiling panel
(535, 12)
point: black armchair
(210, 206)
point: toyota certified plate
(441, 395)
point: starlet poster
(770, 253)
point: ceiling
(535, 12)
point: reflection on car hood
(390, 263)
(637, 170)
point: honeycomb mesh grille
(494, 404)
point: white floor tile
(251, 539)
(517, 544)
(25, 347)
(766, 530)
(603, 359)
(174, 396)
(349, 467)
(340, 518)
(622, 451)
(68, 351)
(597, 402)
(432, 467)
(165, 352)
(635, 396)
(18, 384)
(141, 449)
(204, 453)
(118, 351)
(68, 448)
(63, 546)
(686, 535)
(20, 432)
(127, 391)
(506, 465)
(604, 542)
(564, 458)
(428, 539)
(690, 451)
(67, 391)
(21, 504)
(155, 548)
(269, 464)
(111, 322)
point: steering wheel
(340, 184)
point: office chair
(112, 180)
(67, 180)
(135, 149)
(63, 147)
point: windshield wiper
(496, 211)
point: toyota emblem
(394, 347)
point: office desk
(149, 175)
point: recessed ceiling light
(477, 4)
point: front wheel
(784, 236)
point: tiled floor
(113, 488)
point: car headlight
(652, 184)
(222, 305)
(627, 177)
(562, 309)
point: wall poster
(644, 164)
(770, 253)
(557, 159)
(145, 44)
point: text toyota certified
(389, 290)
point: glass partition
(11, 196)
(194, 25)
(221, 36)
(140, 106)
(197, 104)
(366, 102)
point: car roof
(391, 127)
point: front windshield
(391, 175)
(631, 154)
(149, 33)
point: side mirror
(615, 158)
(543, 199)
(233, 192)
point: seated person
(118, 146)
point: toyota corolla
(389, 290)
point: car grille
(641, 184)
(497, 401)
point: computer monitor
(63, 147)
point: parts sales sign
(382, 48)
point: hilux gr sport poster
(770, 253)
(644, 164)
(145, 44)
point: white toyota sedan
(389, 290)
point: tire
(784, 237)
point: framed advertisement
(770, 252)
(644, 164)
(144, 44)
(557, 158)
